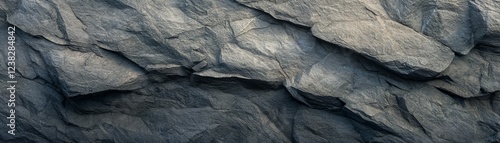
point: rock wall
(252, 71)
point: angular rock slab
(447, 21)
(84, 73)
(448, 119)
(262, 49)
(365, 27)
(340, 83)
(474, 75)
(487, 21)
(391, 44)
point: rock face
(367, 28)
(253, 71)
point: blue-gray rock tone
(256, 71)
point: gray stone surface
(474, 75)
(253, 71)
(367, 28)
(486, 17)
(388, 43)
(313, 125)
(446, 21)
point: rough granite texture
(304, 71)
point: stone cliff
(253, 70)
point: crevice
(245, 82)
(281, 69)
(120, 55)
(277, 19)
